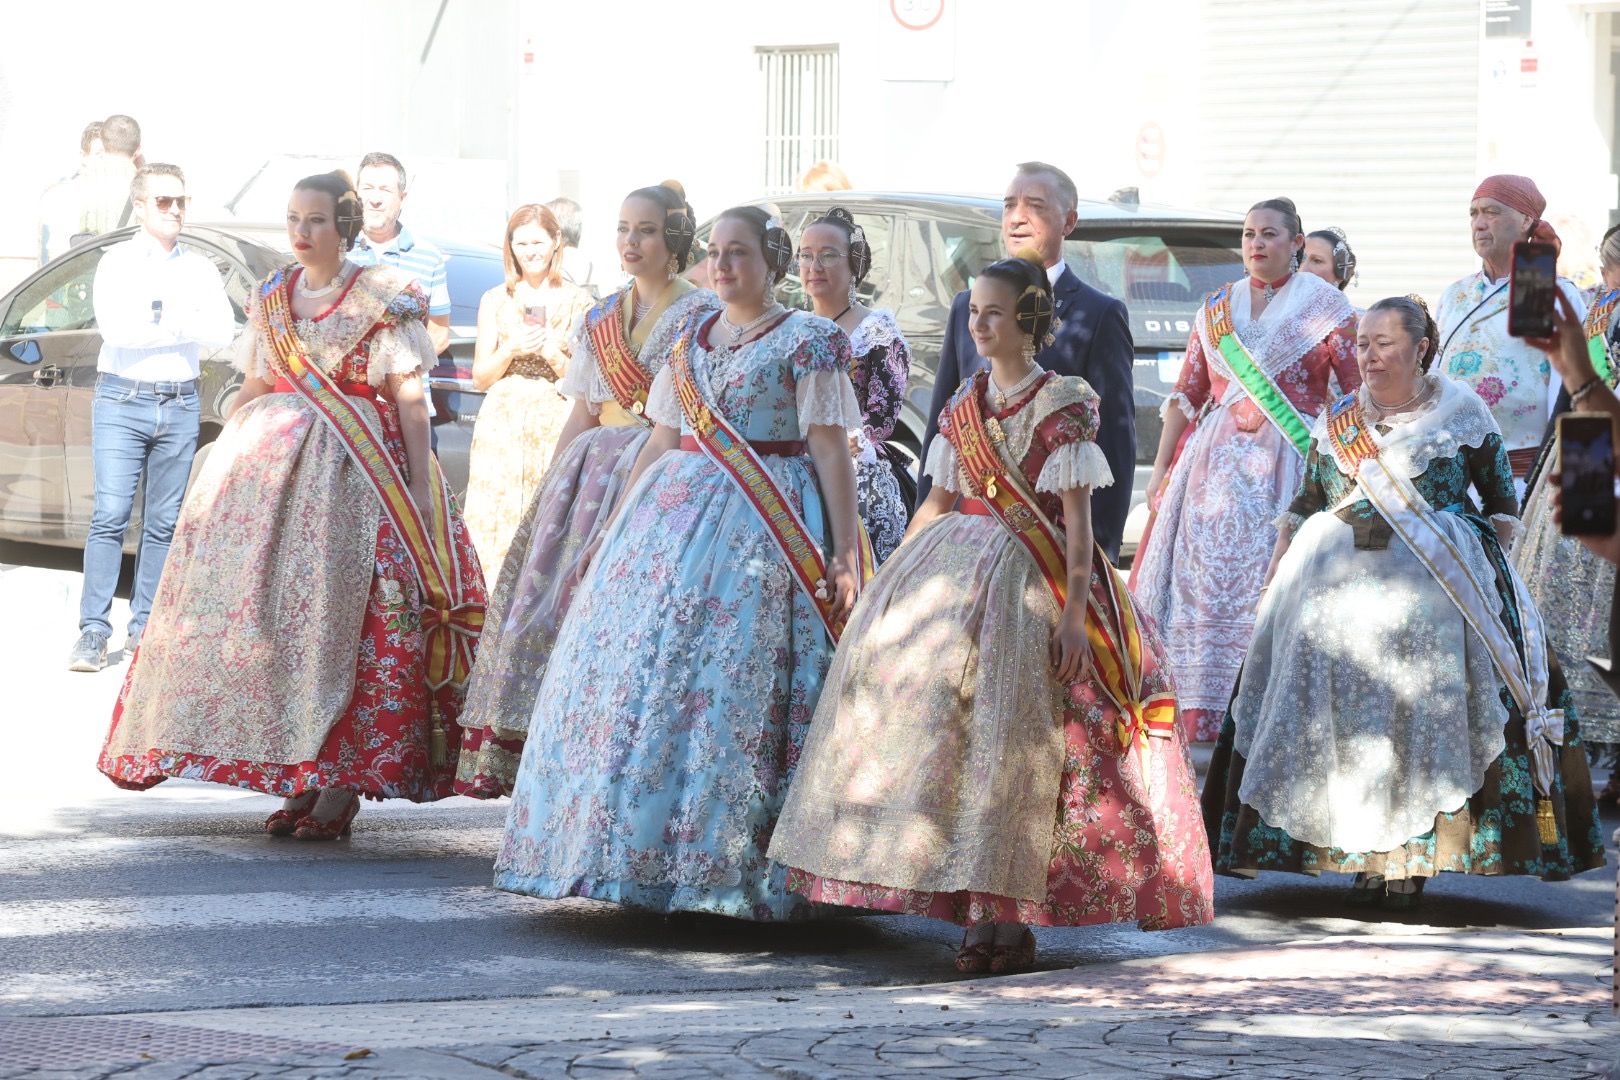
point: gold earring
(1029, 347)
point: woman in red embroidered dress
(285, 651)
(966, 761)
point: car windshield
(1162, 275)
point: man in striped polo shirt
(380, 183)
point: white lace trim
(1514, 528)
(663, 406)
(1303, 312)
(826, 396)
(1287, 520)
(1178, 400)
(1452, 418)
(941, 465)
(402, 349)
(584, 382)
(1075, 465)
(878, 328)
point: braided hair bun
(860, 252)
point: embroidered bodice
(584, 380)
(772, 389)
(1048, 432)
(375, 328)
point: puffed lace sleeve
(580, 379)
(941, 466)
(1192, 386)
(663, 407)
(252, 355)
(401, 345)
(823, 393)
(1074, 460)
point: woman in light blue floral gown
(683, 679)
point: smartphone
(535, 315)
(1586, 472)
(1533, 289)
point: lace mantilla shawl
(1303, 312)
(382, 304)
(1075, 463)
(1451, 419)
(878, 329)
(584, 381)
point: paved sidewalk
(1453, 1005)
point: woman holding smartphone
(523, 350)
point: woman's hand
(856, 445)
(1566, 346)
(1071, 652)
(1155, 490)
(422, 496)
(845, 585)
(531, 339)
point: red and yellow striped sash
(1112, 627)
(626, 378)
(723, 445)
(451, 622)
(1348, 436)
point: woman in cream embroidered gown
(950, 771)
(683, 679)
(522, 355)
(1226, 471)
(1370, 731)
(285, 649)
(594, 455)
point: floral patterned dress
(882, 364)
(285, 648)
(684, 677)
(948, 773)
(541, 573)
(1370, 731)
(1199, 570)
(517, 428)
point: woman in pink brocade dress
(1225, 470)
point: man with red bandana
(1510, 375)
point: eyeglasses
(165, 203)
(823, 260)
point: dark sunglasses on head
(165, 203)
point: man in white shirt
(158, 305)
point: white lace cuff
(826, 396)
(941, 464)
(404, 349)
(252, 356)
(582, 380)
(663, 407)
(1287, 520)
(1075, 465)
(1178, 400)
(1514, 528)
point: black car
(926, 248)
(48, 349)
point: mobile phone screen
(1533, 289)
(1586, 473)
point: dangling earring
(1029, 348)
(1293, 262)
(672, 267)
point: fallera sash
(1596, 325)
(451, 622)
(726, 447)
(1259, 386)
(627, 379)
(1398, 500)
(1112, 626)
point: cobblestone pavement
(1484, 1004)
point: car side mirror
(26, 351)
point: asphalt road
(114, 901)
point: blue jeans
(136, 429)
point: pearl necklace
(739, 332)
(326, 290)
(1001, 396)
(1423, 389)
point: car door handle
(48, 376)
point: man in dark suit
(1094, 341)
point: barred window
(801, 110)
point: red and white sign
(919, 40)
